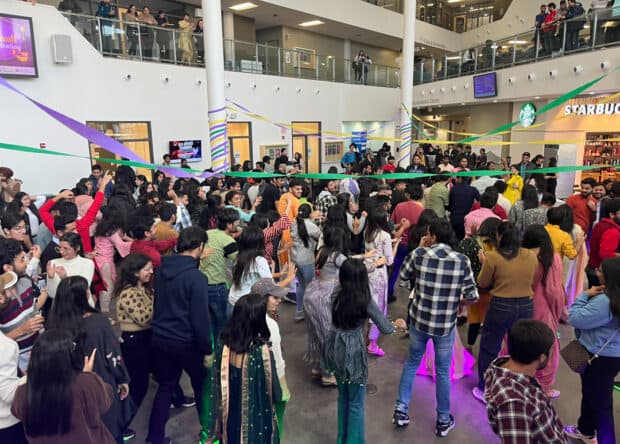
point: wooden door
(240, 142)
(307, 141)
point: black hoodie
(181, 312)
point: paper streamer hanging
(93, 135)
(327, 176)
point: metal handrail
(119, 38)
(589, 31)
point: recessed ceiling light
(495, 101)
(463, 103)
(311, 23)
(517, 42)
(454, 1)
(243, 6)
(592, 93)
(537, 97)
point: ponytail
(303, 213)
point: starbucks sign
(527, 115)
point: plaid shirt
(441, 277)
(183, 218)
(325, 201)
(518, 409)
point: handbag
(577, 357)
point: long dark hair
(251, 246)
(350, 307)
(508, 245)
(375, 223)
(70, 305)
(488, 229)
(248, 325)
(536, 236)
(529, 196)
(417, 231)
(208, 214)
(18, 203)
(611, 272)
(51, 372)
(128, 272)
(567, 223)
(303, 213)
(112, 221)
(335, 240)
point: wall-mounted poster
(305, 58)
(333, 151)
(17, 51)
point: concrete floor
(311, 414)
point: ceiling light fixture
(454, 1)
(243, 6)
(517, 42)
(311, 23)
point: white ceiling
(268, 15)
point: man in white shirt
(11, 430)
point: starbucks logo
(527, 115)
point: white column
(214, 63)
(346, 62)
(406, 82)
(228, 23)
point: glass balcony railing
(457, 16)
(133, 40)
(600, 28)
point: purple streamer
(213, 111)
(96, 137)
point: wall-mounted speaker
(62, 52)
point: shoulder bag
(578, 358)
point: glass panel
(238, 129)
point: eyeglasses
(19, 228)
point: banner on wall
(360, 139)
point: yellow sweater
(562, 241)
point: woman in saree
(186, 40)
(239, 403)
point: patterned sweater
(134, 309)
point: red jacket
(81, 225)
(152, 248)
(604, 242)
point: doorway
(307, 142)
(134, 135)
(240, 142)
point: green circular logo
(527, 115)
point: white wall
(94, 88)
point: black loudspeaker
(62, 52)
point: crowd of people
(119, 278)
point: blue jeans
(305, 273)
(351, 413)
(218, 300)
(502, 314)
(401, 253)
(443, 360)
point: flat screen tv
(485, 85)
(185, 149)
(17, 52)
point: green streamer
(317, 176)
(553, 104)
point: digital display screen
(485, 85)
(191, 150)
(17, 52)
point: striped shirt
(18, 311)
